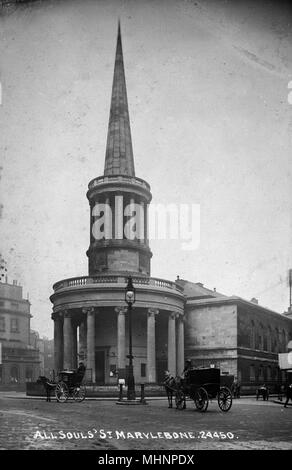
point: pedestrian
(234, 387)
(80, 372)
(238, 390)
(288, 394)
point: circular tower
(118, 199)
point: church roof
(119, 158)
(197, 290)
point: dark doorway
(161, 367)
(99, 367)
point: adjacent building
(19, 360)
(241, 337)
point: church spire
(119, 158)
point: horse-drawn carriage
(70, 385)
(202, 385)
(262, 391)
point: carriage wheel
(79, 394)
(224, 399)
(61, 392)
(179, 399)
(201, 399)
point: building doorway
(100, 367)
(161, 367)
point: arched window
(261, 374)
(276, 341)
(284, 339)
(269, 339)
(252, 335)
(252, 373)
(269, 373)
(14, 374)
(261, 338)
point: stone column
(108, 234)
(67, 330)
(121, 341)
(82, 339)
(90, 363)
(74, 344)
(146, 241)
(58, 342)
(171, 344)
(180, 345)
(151, 346)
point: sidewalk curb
(281, 403)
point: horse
(170, 387)
(181, 389)
(48, 386)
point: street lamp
(130, 297)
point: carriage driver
(188, 366)
(80, 371)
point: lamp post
(130, 298)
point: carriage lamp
(130, 298)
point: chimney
(254, 300)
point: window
(276, 343)
(2, 323)
(261, 373)
(269, 339)
(143, 370)
(284, 341)
(14, 325)
(252, 336)
(252, 373)
(269, 373)
(260, 341)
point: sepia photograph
(145, 230)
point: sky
(211, 124)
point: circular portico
(90, 323)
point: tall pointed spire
(119, 158)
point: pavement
(30, 423)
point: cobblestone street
(36, 424)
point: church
(172, 320)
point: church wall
(211, 327)
(211, 337)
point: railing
(111, 279)
(118, 179)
